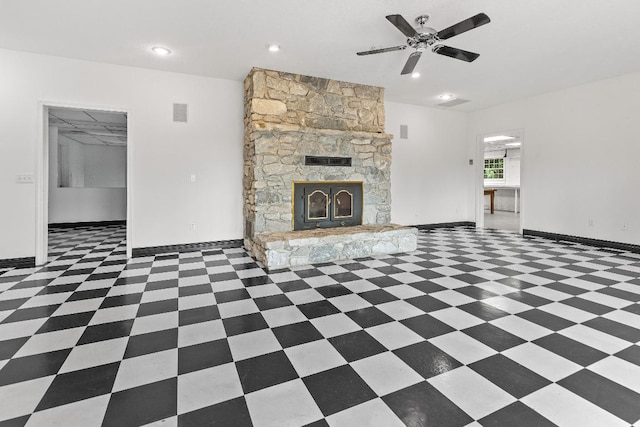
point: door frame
(479, 174)
(42, 171)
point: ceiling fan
(422, 38)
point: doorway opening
(499, 198)
(83, 176)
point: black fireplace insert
(326, 204)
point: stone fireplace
(326, 139)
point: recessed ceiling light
(273, 47)
(415, 74)
(161, 51)
(513, 144)
(447, 96)
(498, 138)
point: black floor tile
(427, 303)
(378, 296)
(232, 295)
(161, 284)
(243, 324)
(494, 337)
(318, 309)
(368, 317)
(385, 281)
(570, 349)
(198, 315)
(9, 347)
(527, 298)
(204, 355)
(79, 385)
(517, 414)
(185, 291)
(106, 331)
(630, 354)
(483, 311)
(337, 389)
(611, 396)
(157, 307)
(67, 321)
(151, 342)
(31, 367)
(272, 301)
(427, 326)
(422, 405)
(345, 277)
(264, 371)
(547, 320)
(89, 294)
(427, 359)
(296, 333)
(142, 405)
(515, 379)
(293, 285)
(331, 291)
(625, 332)
(120, 300)
(426, 286)
(232, 412)
(357, 345)
(22, 314)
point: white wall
(73, 204)
(429, 170)
(105, 166)
(164, 153)
(580, 158)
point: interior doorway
(83, 172)
(499, 201)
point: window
(494, 168)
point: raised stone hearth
(293, 248)
(289, 117)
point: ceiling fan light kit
(423, 38)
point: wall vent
(404, 132)
(453, 102)
(180, 113)
(326, 161)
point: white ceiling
(530, 47)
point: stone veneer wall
(288, 117)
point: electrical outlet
(193, 227)
(24, 178)
(624, 227)
(590, 222)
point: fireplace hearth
(326, 204)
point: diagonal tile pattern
(473, 328)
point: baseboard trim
(86, 224)
(583, 240)
(187, 247)
(444, 225)
(28, 262)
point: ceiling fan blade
(402, 24)
(456, 53)
(386, 49)
(411, 62)
(464, 26)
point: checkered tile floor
(474, 328)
